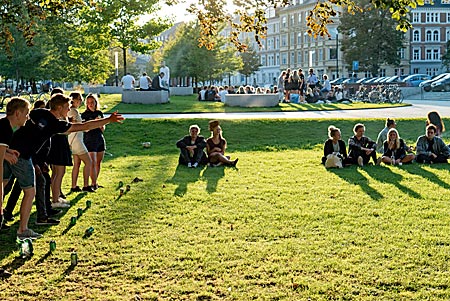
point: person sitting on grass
(191, 148)
(216, 146)
(430, 148)
(361, 148)
(395, 150)
(383, 135)
(335, 145)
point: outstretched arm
(93, 124)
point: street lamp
(116, 65)
(337, 54)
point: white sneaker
(64, 201)
(195, 165)
(189, 165)
(360, 161)
(60, 205)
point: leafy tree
(446, 56)
(370, 37)
(186, 58)
(250, 62)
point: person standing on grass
(94, 139)
(395, 150)
(191, 148)
(383, 135)
(79, 150)
(361, 148)
(28, 140)
(431, 148)
(216, 146)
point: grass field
(278, 227)
(190, 104)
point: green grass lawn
(190, 104)
(278, 227)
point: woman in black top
(216, 146)
(93, 139)
(395, 150)
(334, 145)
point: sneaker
(28, 233)
(63, 200)
(378, 161)
(60, 205)
(54, 212)
(4, 273)
(195, 165)
(46, 221)
(189, 164)
(360, 161)
(235, 162)
(75, 189)
(88, 189)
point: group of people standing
(430, 148)
(34, 142)
(192, 148)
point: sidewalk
(433, 101)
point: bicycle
(44, 96)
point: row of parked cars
(413, 80)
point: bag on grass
(333, 161)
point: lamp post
(116, 65)
(337, 54)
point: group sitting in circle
(192, 148)
(430, 148)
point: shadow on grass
(183, 176)
(212, 175)
(386, 175)
(418, 169)
(354, 176)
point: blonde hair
(16, 104)
(332, 130)
(397, 140)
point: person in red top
(216, 146)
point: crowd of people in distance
(214, 93)
(35, 142)
(192, 148)
(293, 86)
(430, 148)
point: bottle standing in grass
(74, 258)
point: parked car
(442, 84)
(415, 79)
(337, 81)
(426, 85)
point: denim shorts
(23, 170)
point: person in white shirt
(223, 91)
(128, 82)
(166, 79)
(145, 82)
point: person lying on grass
(216, 146)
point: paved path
(421, 105)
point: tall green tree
(250, 62)
(446, 56)
(370, 38)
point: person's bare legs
(93, 171)
(25, 208)
(58, 172)
(100, 156)
(86, 169)
(75, 170)
(219, 158)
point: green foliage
(370, 37)
(250, 62)
(446, 56)
(279, 227)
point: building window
(401, 53)
(432, 17)
(415, 70)
(283, 22)
(263, 60)
(299, 58)
(284, 59)
(277, 43)
(447, 35)
(416, 54)
(277, 59)
(320, 56)
(292, 61)
(436, 35)
(292, 23)
(416, 18)
(292, 39)
(299, 18)
(428, 35)
(416, 36)
(448, 16)
(436, 54)
(382, 72)
(299, 39)
(284, 40)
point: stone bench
(251, 100)
(145, 97)
(183, 91)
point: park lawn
(278, 227)
(190, 104)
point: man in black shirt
(28, 140)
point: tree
(250, 63)
(446, 56)
(211, 13)
(189, 60)
(370, 38)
